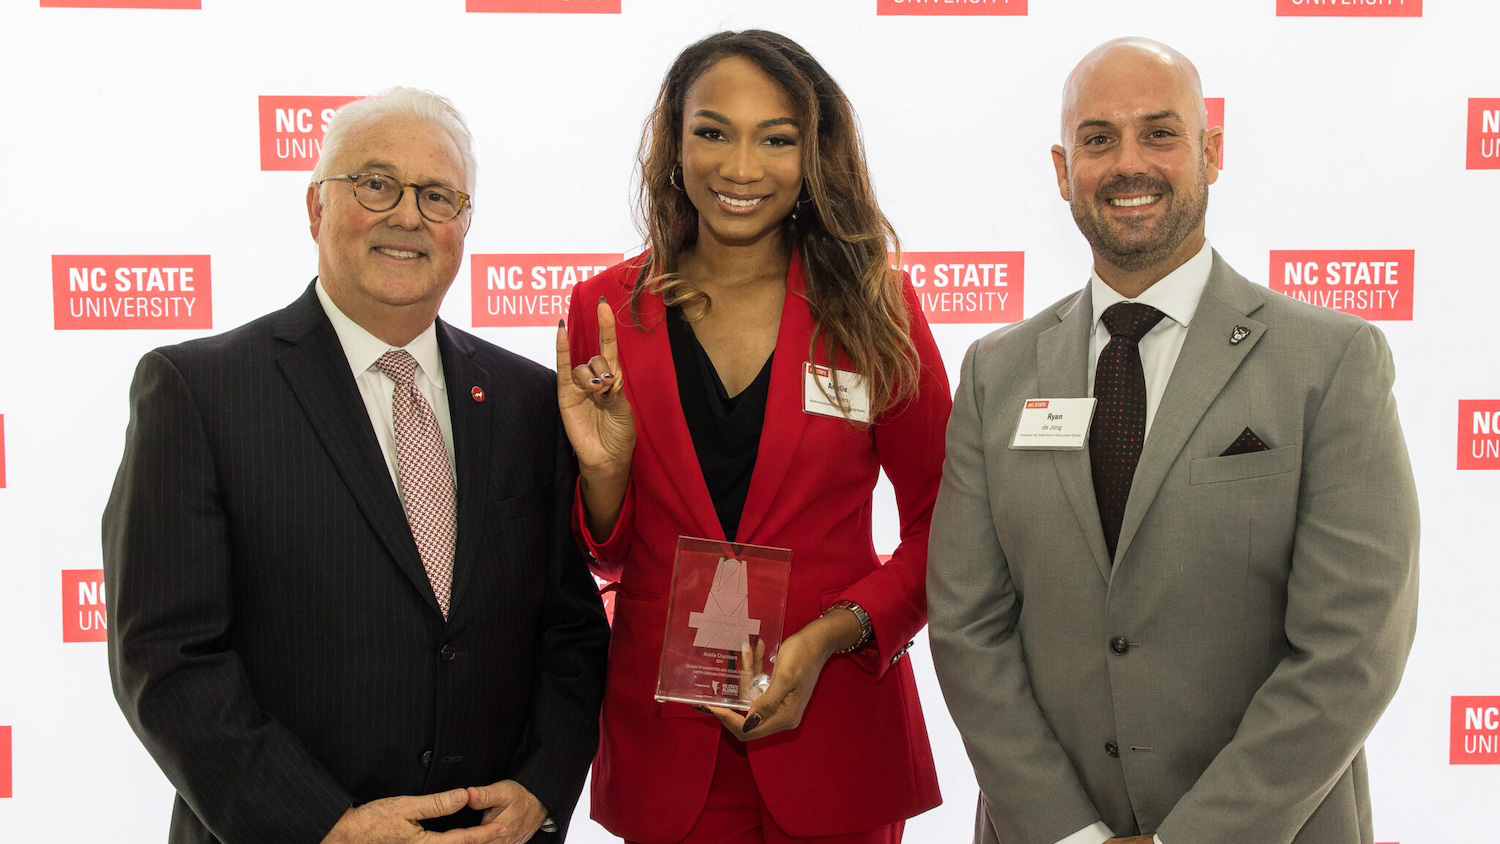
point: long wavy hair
(845, 241)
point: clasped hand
(511, 816)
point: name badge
(851, 393)
(1056, 424)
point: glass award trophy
(724, 621)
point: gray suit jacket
(1215, 682)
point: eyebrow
(764, 124)
(1153, 117)
(377, 164)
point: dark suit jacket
(1215, 681)
(860, 757)
(273, 638)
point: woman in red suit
(767, 251)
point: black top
(725, 429)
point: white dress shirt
(363, 349)
(1175, 295)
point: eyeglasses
(379, 192)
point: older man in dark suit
(345, 604)
(1180, 624)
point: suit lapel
(317, 371)
(1062, 371)
(660, 425)
(1207, 361)
(785, 420)
(471, 444)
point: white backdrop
(137, 132)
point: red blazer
(860, 757)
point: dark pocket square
(1247, 443)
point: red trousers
(735, 814)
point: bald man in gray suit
(1193, 651)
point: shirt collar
(363, 348)
(1175, 295)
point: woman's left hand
(799, 663)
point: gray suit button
(426, 759)
(447, 653)
(1119, 644)
(1112, 749)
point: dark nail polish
(703, 709)
(607, 376)
(560, 324)
(602, 299)
(750, 723)
(595, 381)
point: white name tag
(851, 392)
(1057, 424)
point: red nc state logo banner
(1475, 731)
(122, 4)
(560, 7)
(1375, 284)
(292, 128)
(968, 287)
(1484, 134)
(529, 290)
(950, 7)
(131, 291)
(1349, 8)
(83, 606)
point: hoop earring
(673, 176)
(803, 198)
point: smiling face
(741, 153)
(1136, 163)
(389, 270)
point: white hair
(411, 102)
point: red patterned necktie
(426, 478)
(1119, 427)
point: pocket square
(1246, 443)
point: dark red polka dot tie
(1119, 427)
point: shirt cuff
(1095, 833)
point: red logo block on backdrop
(131, 291)
(1375, 284)
(522, 290)
(950, 7)
(562, 7)
(291, 130)
(1476, 731)
(122, 4)
(83, 606)
(968, 287)
(1349, 8)
(1479, 434)
(1484, 134)
(5, 776)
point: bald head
(1132, 64)
(1136, 159)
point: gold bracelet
(865, 630)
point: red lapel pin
(478, 395)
